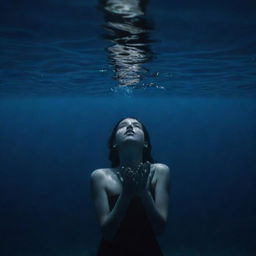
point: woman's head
(118, 134)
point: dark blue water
(71, 69)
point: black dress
(134, 237)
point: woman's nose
(129, 126)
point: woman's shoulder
(161, 166)
(161, 170)
(101, 173)
(107, 179)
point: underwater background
(69, 70)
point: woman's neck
(130, 158)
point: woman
(131, 198)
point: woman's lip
(129, 132)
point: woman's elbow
(159, 230)
(160, 227)
(107, 232)
(107, 236)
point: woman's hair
(113, 152)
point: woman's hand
(128, 178)
(136, 181)
(144, 178)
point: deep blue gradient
(192, 83)
(49, 147)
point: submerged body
(135, 234)
(131, 198)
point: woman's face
(129, 129)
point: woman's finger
(150, 177)
(119, 176)
(143, 175)
(149, 180)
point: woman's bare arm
(157, 211)
(109, 220)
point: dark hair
(113, 152)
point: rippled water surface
(102, 48)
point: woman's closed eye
(138, 126)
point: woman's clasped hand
(136, 181)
